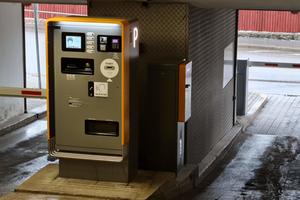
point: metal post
(24, 56)
(242, 87)
(235, 67)
(36, 21)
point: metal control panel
(89, 87)
(88, 83)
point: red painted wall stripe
(271, 64)
(69, 9)
(270, 21)
(33, 93)
(296, 65)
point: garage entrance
(266, 166)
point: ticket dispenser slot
(77, 66)
(101, 128)
(91, 118)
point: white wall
(11, 57)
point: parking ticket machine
(90, 114)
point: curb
(20, 121)
(184, 182)
(274, 81)
(290, 41)
(218, 153)
(270, 35)
(247, 120)
(256, 46)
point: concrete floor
(267, 165)
(22, 152)
(280, 116)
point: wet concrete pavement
(267, 164)
(278, 175)
(280, 116)
(265, 167)
(22, 153)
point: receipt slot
(90, 115)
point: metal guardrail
(23, 92)
(273, 64)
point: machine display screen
(73, 41)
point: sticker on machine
(70, 77)
(100, 89)
(74, 102)
(109, 68)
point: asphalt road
(269, 50)
(268, 42)
(284, 81)
(269, 55)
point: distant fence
(52, 10)
(269, 21)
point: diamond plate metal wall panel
(163, 27)
(210, 32)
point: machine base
(47, 184)
(96, 170)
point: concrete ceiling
(235, 4)
(249, 4)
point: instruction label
(100, 89)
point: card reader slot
(109, 67)
(77, 66)
(102, 128)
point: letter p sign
(135, 36)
